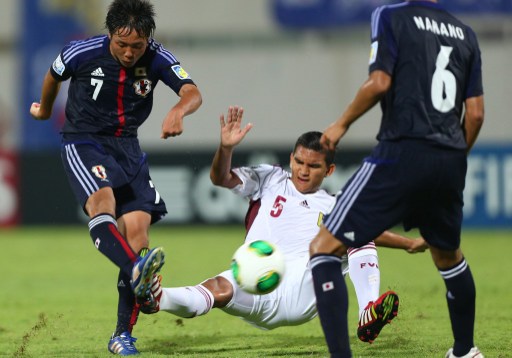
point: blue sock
(332, 303)
(461, 295)
(109, 241)
(127, 310)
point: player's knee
(445, 259)
(221, 289)
(326, 243)
(101, 202)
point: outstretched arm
(51, 87)
(231, 134)
(368, 96)
(395, 241)
(190, 100)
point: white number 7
(96, 83)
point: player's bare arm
(396, 241)
(473, 119)
(190, 101)
(43, 109)
(231, 134)
(368, 95)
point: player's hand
(417, 245)
(332, 135)
(35, 111)
(231, 130)
(172, 125)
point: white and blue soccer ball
(258, 267)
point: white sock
(186, 302)
(365, 275)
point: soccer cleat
(376, 315)
(473, 353)
(123, 344)
(151, 304)
(143, 271)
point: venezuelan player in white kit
(286, 209)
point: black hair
(131, 15)
(311, 140)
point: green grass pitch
(58, 299)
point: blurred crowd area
(289, 79)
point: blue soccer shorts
(410, 182)
(95, 162)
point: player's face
(308, 169)
(127, 47)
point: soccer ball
(258, 267)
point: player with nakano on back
(109, 97)
(285, 209)
(425, 70)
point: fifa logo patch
(320, 219)
(100, 172)
(142, 87)
(373, 52)
(58, 66)
(180, 72)
(327, 286)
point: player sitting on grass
(285, 209)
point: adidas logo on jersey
(98, 72)
(304, 203)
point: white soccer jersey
(290, 219)
(281, 214)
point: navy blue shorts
(410, 182)
(95, 162)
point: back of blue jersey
(109, 99)
(434, 60)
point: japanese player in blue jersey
(113, 78)
(425, 70)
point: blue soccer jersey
(106, 98)
(438, 68)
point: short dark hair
(135, 15)
(311, 140)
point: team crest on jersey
(58, 66)
(100, 172)
(142, 87)
(180, 72)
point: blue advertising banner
(488, 192)
(183, 181)
(47, 26)
(337, 13)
